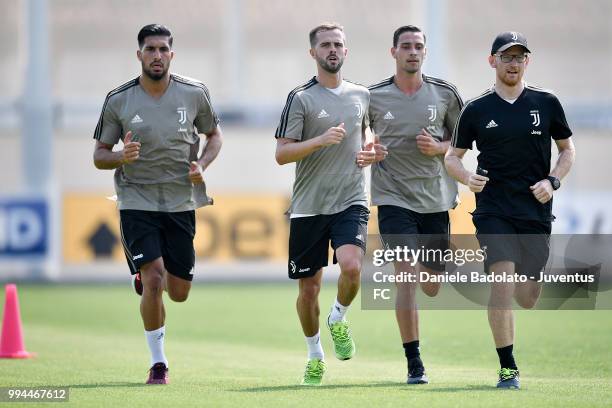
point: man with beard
(414, 116)
(158, 178)
(322, 130)
(512, 125)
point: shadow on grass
(389, 384)
(466, 388)
(108, 385)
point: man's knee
(178, 289)
(179, 293)
(428, 287)
(178, 296)
(527, 302)
(431, 289)
(351, 268)
(152, 275)
(528, 298)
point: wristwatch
(554, 182)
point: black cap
(506, 40)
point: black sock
(411, 350)
(506, 359)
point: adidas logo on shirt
(323, 114)
(136, 119)
(388, 116)
(491, 124)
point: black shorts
(148, 235)
(401, 227)
(309, 238)
(524, 242)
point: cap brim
(512, 44)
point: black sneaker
(158, 374)
(416, 372)
(509, 379)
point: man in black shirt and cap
(512, 125)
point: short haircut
(406, 28)
(153, 29)
(320, 28)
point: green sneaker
(344, 346)
(313, 375)
(508, 378)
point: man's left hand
(366, 156)
(380, 150)
(542, 191)
(195, 173)
(428, 145)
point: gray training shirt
(167, 129)
(408, 178)
(327, 181)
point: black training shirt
(514, 140)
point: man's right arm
(290, 146)
(290, 150)
(463, 138)
(454, 167)
(105, 159)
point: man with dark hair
(404, 29)
(312, 35)
(512, 125)
(158, 178)
(151, 30)
(322, 130)
(414, 116)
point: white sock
(315, 350)
(337, 312)
(155, 340)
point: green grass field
(241, 345)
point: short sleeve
(559, 129)
(206, 120)
(371, 118)
(109, 128)
(452, 112)
(366, 114)
(292, 119)
(464, 133)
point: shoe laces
(314, 368)
(507, 374)
(340, 331)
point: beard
(407, 65)
(330, 68)
(153, 75)
(506, 80)
(411, 70)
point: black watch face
(555, 183)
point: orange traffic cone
(11, 342)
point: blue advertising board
(24, 227)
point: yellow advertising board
(460, 218)
(236, 227)
(247, 227)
